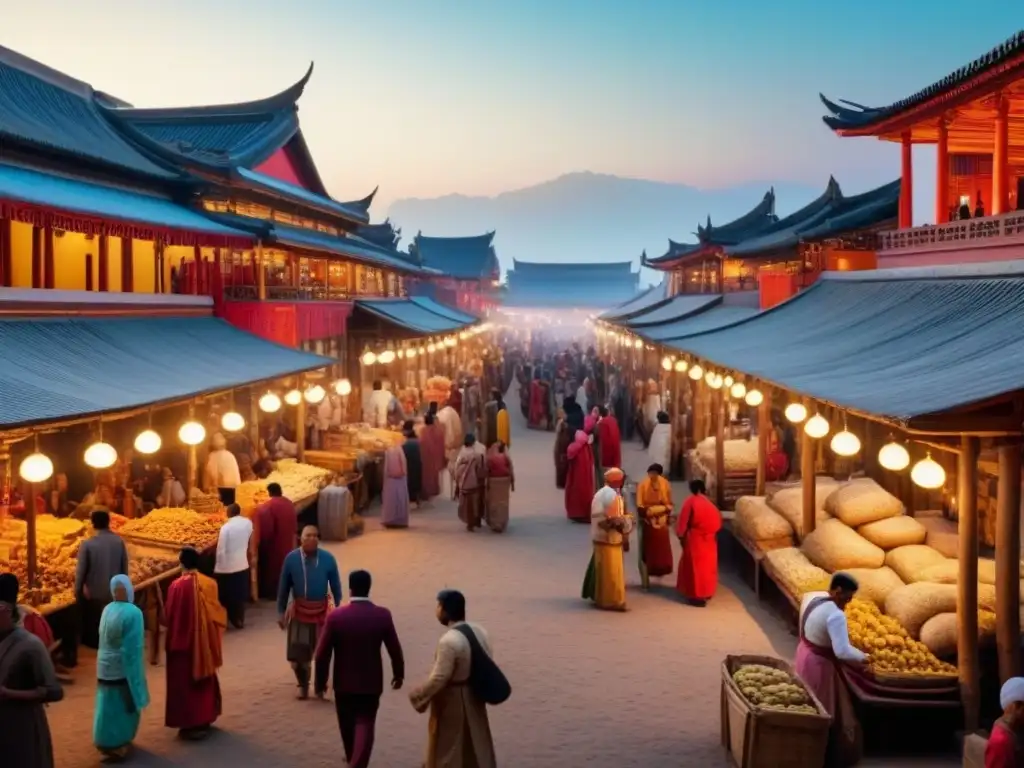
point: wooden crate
(765, 738)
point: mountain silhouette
(585, 216)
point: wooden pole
(254, 420)
(677, 429)
(1008, 562)
(30, 533)
(720, 411)
(967, 586)
(807, 456)
(764, 416)
(300, 423)
(261, 274)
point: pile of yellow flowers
(176, 525)
(888, 646)
(771, 688)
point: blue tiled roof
(69, 367)
(467, 258)
(75, 196)
(715, 316)
(383, 234)
(645, 300)
(676, 308)
(263, 182)
(411, 315)
(455, 315)
(588, 272)
(43, 108)
(897, 343)
(342, 246)
(563, 296)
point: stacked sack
(760, 525)
(789, 502)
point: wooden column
(254, 418)
(89, 285)
(678, 439)
(48, 269)
(127, 265)
(31, 568)
(942, 174)
(720, 416)
(158, 267)
(193, 274)
(6, 253)
(261, 274)
(1008, 562)
(967, 586)
(764, 425)
(103, 269)
(807, 456)
(906, 218)
(37, 257)
(1000, 159)
(300, 422)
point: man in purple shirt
(353, 635)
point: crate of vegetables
(769, 717)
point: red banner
(289, 322)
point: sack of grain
(914, 604)
(837, 547)
(911, 560)
(789, 503)
(942, 534)
(756, 521)
(862, 501)
(948, 572)
(939, 633)
(797, 574)
(875, 584)
(738, 455)
(893, 532)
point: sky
(451, 96)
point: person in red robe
(609, 439)
(579, 482)
(538, 403)
(195, 628)
(432, 454)
(697, 528)
(276, 523)
(455, 399)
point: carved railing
(979, 232)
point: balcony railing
(1004, 229)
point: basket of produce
(769, 717)
(173, 528)
(204, 503)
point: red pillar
(48, 276)
(193, 274)
(1000, 164)
(104, 266)
(127, 266)
(6, 249)
(37, 257)
(88, 272)
(942, 175)
(907, 184)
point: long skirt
(605, 582)
(471, 507)
(499, 496)
(459, 734)
(190, 703)
(301, 641)
(394, 510)
(25, 735)
(562, 440)
(845, 741)
(698, 567)
(655, 552)
(116, 719)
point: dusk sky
(431, 98)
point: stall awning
(456, 315)
(60, 368)
(644, 301)
(714, 317)
(897, 343)
(81, 206)
(411, 315)
(675, 309)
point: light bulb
(928, 473)
(845, 443)
(738, 390)
(293, 397)
(315, 394)
(639, 344)
(431, 348)
(816, 426)
(232, 421)
(696, 373)
(270, 403)
(343, 387)
(680, 366)
(716, 381)
(796, 412)
(411, 353)
(729, 381)
(709, 377)
(387, 356)
(368, 358)
(666, 363)
(894, 457)
(192, 433)
(148, 442)
(100, 455)
(35, 468)
(450, 341)
(463, 336)
(754, 398)
(400, 353)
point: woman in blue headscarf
(121, 693)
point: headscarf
(614, 477)
(125, 582)
(1012, 692)
(581, 436)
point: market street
(589, 687)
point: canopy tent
(707, 319)
(674, 309)
(66, 367)
(444, 310)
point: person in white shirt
(222, 470)
(377, 408)
(232, 565)
(824, 644)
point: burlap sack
(911, 560)
(756, 521)
(894, 532)
(789, 502)
(837, 547)
(940, 632)
(797, 574)
(948, 572)
(914, 604)
(942, 534)
(862, 501)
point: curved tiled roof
(363, 204)
(600, 285)
(589, 272)
(850, 116)
(261, 182)
(469, 258)
(382, 234)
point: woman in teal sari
(121, 692)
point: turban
(1012, 692)
(614, 477)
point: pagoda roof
(364, 203)
(466, 258)
(261, 182)
(564, 285)
(44, 109)
(589, 272)
(383, 234)
(986, 74)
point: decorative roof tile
(466, 258)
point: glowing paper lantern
(431, 348)
(293, 397)
(728, 381)
(148, 442)
(928, 473)
(696, 373)
(316, 394)
(680, 366)
(816, 426)
(639, 344)
(893, 456)
(666, 363)
(100, 455)
(845, 443)
(754, 398)
(270, 403)
(796, 412)
(343, 387)
(232, 421)
(192, 433)
(368, 358)
(738, 390)
(387, 356)
(36, 468)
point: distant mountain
(589, 216)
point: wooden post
(261, 274)
(37, 257)
(127, 265)
(6, 252)
(300, 423)
(764, 425)
(49, 276)
(1008, 562)
(807, 483)
(678, 438)
(31, 568)
(720, 410)
(103, 269)
(967, 586)
(254, 419)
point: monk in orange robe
(698, 525)
(195, 628)
(654, 508)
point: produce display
(874, 584)
(835, 546)
(894, 532)
(740, 455)
(789, 502)
(862, 501)
(297, 481)
(368, 438)
(176, 525)
(757, 522)
(797, 574)
(55, 573)
(770, 688)
(204, 503)
(437, 390)
(890, 648)
(143, 567)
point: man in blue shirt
(307, 576)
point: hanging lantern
(293, 397)
(431, 348)
(754, 398)
(666, 363)
(894, 457)
(738, 390)
(192, 433)
(639, 344)
(36, 468)
(450, 341)
(680, 366)
(716, 381)
(343, 387)
(386, 357)
(709, 377)
(729, 381)
(270, 403)
(315, 394)
(423, 350)
(148, 441)
(368, 358)
(410, 353)
(232, 421)
(845, 443)
(696, 373)
(100, 455)
(796, 412)
(463, 336)
(928, 473)
(816, 426)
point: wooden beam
(807, 480)
(720, 415)
(764, 425)
(1008, 562)
(967, 585)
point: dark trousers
(233, 591)
(89, 614)
(357, 720)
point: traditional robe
(432, 452)
(451, 423)
(470, 480)
(413, 468)
(394, 511)
(579, 483)
(501, 480)
(538, 404)
(504, 427)
(654, 505)
(563, 438)
(699, 522)
(277, 522)
(660, 447)
(24, 732)
(605, 582)
(611, 442)
(195, 627)
(489, 424)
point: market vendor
(222, 472)
(57, 503)
(825, 641)
(376, 409)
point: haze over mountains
(590, 217)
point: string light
(100, 455)
(343, 387)
(928, 473)
(680, 366)
(696, 373)
(293, 397)
(796, 412)
(738, 390)
(817, 426)
(845, 443)
(666, 363)
(368, 358)
(386, 357)
(148, 441)
(754, 398)
(894, 457)
(270, 403)
(36, 468)
(315, 394)
(192, 433)
(232, 421)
